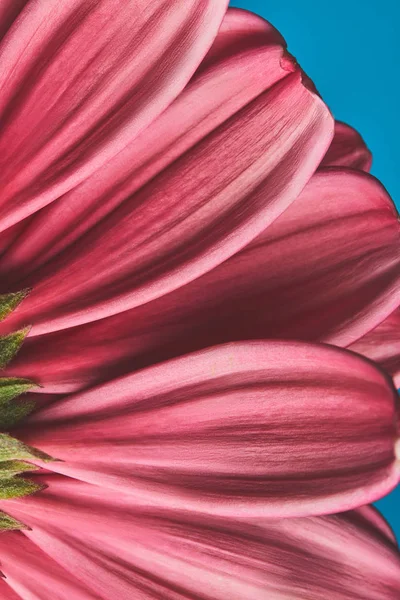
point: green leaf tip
(8, 523)
(9, 302)
(10, 468)
(13, 449)
(12, 412)
(10, 344)
(13, 455)
(18, 487)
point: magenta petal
(123, 551)
(6, 592)
(376, 522)
(79, 80)
(32, 573)
(258, 428)
(244, 61)
(343, 283)
(9, 11)
(209, 204)
(347, 149)
(382, 345)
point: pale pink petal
(10, 235)
(257, 428)
(246, 58)
(122, 551)
(347, 149)
(32, 574)
(6, 592)
(245, 20)
(374, 520)
(382, 345)
(79, 80)
(199, 211)
(327, 270)
(9, 11)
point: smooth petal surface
(9, 11)
(247, 58)
(258, 428)
(342, 283)
(122, 551)
(347, 149)
(382, 345)
(198, 212)
(376, 521)
(7, 592)
(33, 574)
(80, 80)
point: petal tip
(397, 450)
(288, 62)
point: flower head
(194, 260)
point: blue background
(349, 49)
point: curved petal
(199, 211)
(245, 60)
(7, 592)
(347, 149)
(32, 573)
(79, 80)
(128, 552)
(9, 11)
(327, 270)
(382, 345)
(257, 428)
(376, 522)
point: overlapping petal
(347, 149)
(341, 285)
(7, 592)
(9, 11)
(174, 555)
(144, 241)
(247, 58)
(382, 345)
(80, 79)
(257, 428)
(32, 573)
(198, 212)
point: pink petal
(122, 551)
(31, 573)
(9, 11)
(7, 593)
(79, 80)
(347, 149)
(11, 235)
(245, 60)
(342, 283)
(240, 25)
(382, 345)
(257, 428)
(208, 203)
(377, 522)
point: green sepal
(12, 412)
(10, 344)
(18, 487)
(9, 302)
(8, 523)
(12, 464)
(13, 449)
(10, 468)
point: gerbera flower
(193, 260)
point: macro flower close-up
(200, 315)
